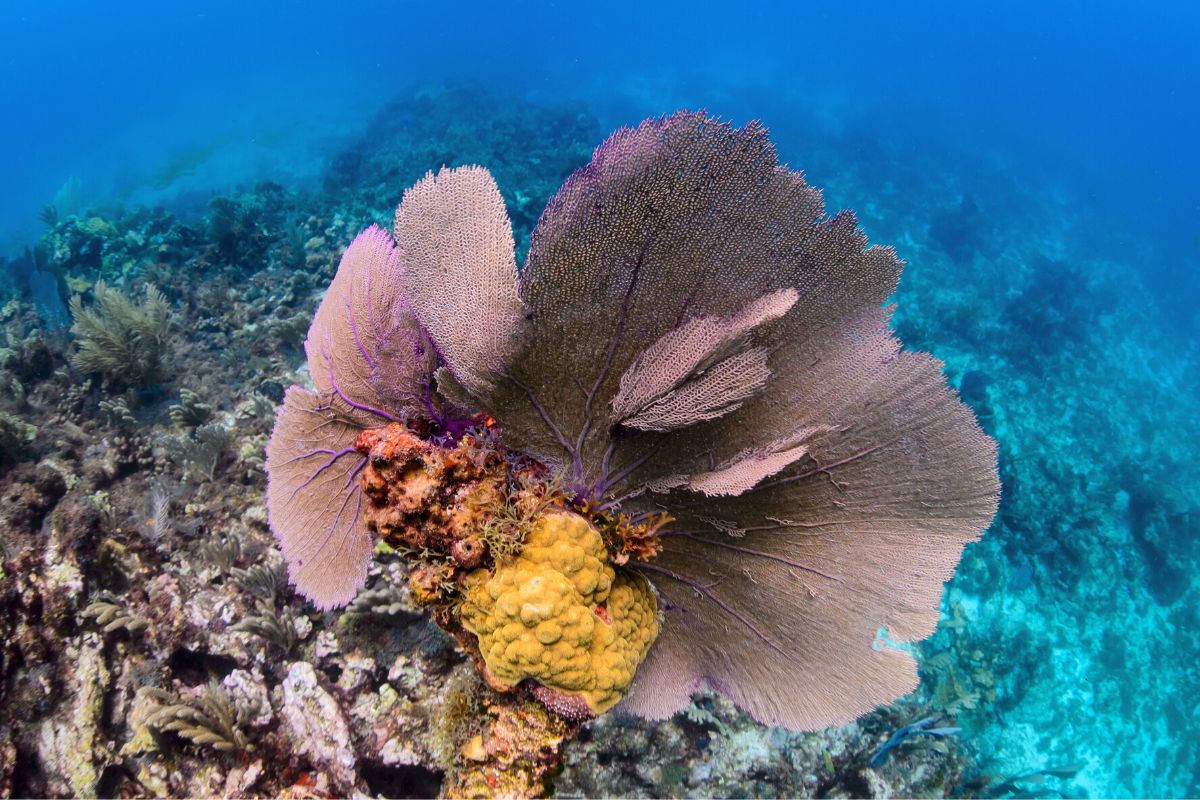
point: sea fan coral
(693, 345)
(370, 362)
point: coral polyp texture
(561, 615)
(683, 432)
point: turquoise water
(1035, 166)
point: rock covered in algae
(315, 722)
(517, 750)
(560, 614)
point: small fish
(905, 733)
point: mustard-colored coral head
(560, 614)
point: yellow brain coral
(560, 614)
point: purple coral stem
(706, 591)
(748, 551)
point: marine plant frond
(452, 232)
(314, 499)
(158, 514)
(214, 719)
(191, 411)
(525, 499)
(199, 452)
(118, 413)
(278, 628)
(119, 338)
(260, 580)
(111, 616)
(221, 550)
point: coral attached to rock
(119, 338)
(704, 361)
(559, 614)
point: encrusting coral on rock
(693, 376)
(559, 614)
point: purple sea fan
(370, 363)
(690, 336)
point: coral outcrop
(515, 753)
(705, 359)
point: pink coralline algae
(702, 357)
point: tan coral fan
(825, 502)
(456, 242)
(691, 337)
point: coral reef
(380, 449)
(1050, 341)
(697, 419)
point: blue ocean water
(1035, 164)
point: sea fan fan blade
(858, 534)
(679, 220)
(455, 240)
(745, 471)
(695, 372)
(314, 499)
(366, 353)
(721, 388)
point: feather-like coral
(191, 411)
(696, 347)
(198, 453)
(214, 719)
(119, 338)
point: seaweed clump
(214, 719)
(120, 339)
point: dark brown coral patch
(31, 494)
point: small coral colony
(679, 449)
